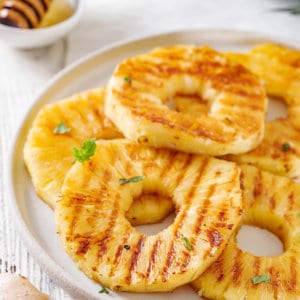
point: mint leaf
(61, 128)
(132, 179)
(86, 151)
(260, 278)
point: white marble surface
(24, 73)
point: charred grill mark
(193, 186)
(83, 246)
(168, 263)
(102, 244)
(215, 237)
(274, 280)
(153, 255)
(134, 258)
(185, 261)
(117, 256)
(237, 267)
(258, 186)
(184, 169)
(292, 282)
(256, 265)
(272, 201)
(203, 209)
(291, 201)
(180, 218)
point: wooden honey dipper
(23, 13)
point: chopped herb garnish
(299, 215)
(132, 179)
(260, 278)
(103, 291)
(127, 247)
(227, 119)
(61, 128)
(187, 243)
(127, 79)
(87, 150)
(286, 147)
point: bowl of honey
(37, 23)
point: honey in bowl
(30, 14)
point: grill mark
(153, 254)
(272, 202)
(102, 244)
(83, 246)
(117, 256)
(291, 201)
(193, 186)
(274, 278)
(204, 210)
(168, 263)
(20, 13)
(256, 265)
(134, 258)
(180, 219)
(215, 237)
(185, 262)
(237, 268)
(258, 186)
(292, 282)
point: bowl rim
(78, 9)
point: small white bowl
(34, 38)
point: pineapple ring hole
(263, 233)
(193, 105)
(151, 211)
(277, 109)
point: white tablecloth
(24, 73)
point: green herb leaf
(87, 150)
(61, 128)
(261, 278)
(227, 119)
(132, 179)
(127, 79)
(187, 243)
(299, 215)
(286, 147)
(103, 291)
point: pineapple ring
(279, 68)
(48, 155)
(271, 202)
(141, 87)
(91, 220)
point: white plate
(35, 220)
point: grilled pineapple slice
(279, 152)
(275, 64)
(270, 202)
(279, 68)
(141, 87)
(48, 154)
(91, 222)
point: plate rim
(39, 254)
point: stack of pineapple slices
(94, 200)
